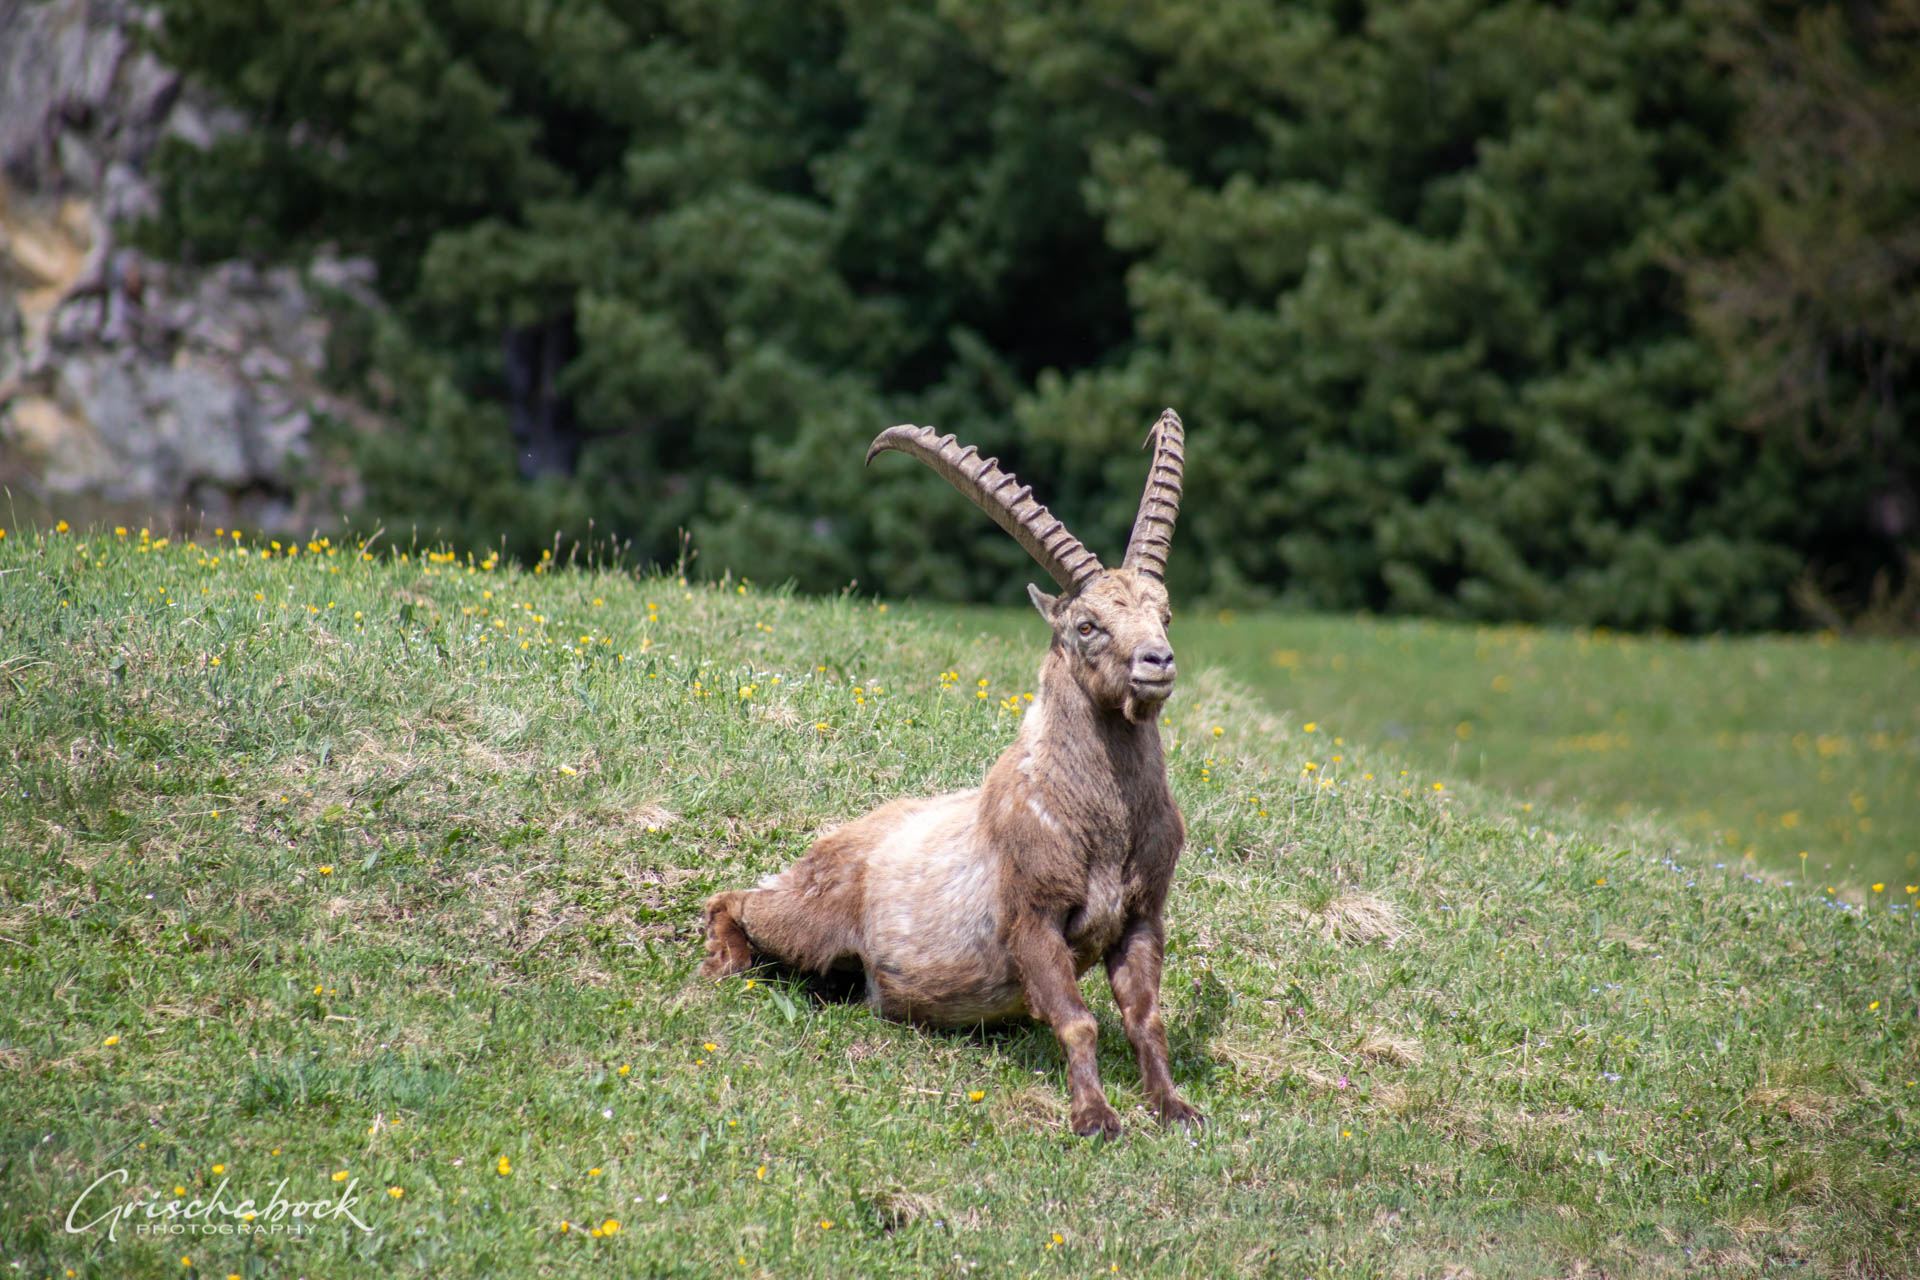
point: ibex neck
(1074, 733)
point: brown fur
(986, 904)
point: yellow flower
(112, 1041)
(710, 1046)
(119, 531)
(625, 1067)
(340, 1176)
(62, 528)
(1308, 727)
(219, 1169)
(610, 1227)
(1873, 1006)
(326, 869)
(1877, 888)
(396, 1192)
(504, 1167)
(565, 1226)
(826, 1224)
(976, 1095)
(594, 1172)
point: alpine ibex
(985, 904)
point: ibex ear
(1046, 604)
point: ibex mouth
(1145, 698)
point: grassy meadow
(1759, 747)
(354, 873)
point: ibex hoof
(1096, 1121)
(1185, 1114)
(727, 949)
(724, 966)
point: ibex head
(1112, 621)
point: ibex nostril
(1158, 660)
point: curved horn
(1160, 504)
(1001, 496)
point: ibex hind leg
(810, 932)
(728, 950)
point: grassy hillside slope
(1757, 746)
(381, 873)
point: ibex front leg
(1045, 968)
(1133, 967)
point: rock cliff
(126, 381)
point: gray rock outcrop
(122, 378)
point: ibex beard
(988, 904)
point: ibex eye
(1086, 628)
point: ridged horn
(1001, 496)
(1160, 504)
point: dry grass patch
(1399, 1051)
(781, 715)
(896, 1207)
(1031, 1109)
(1797, 1103)
(650, 816)
(1359, 918)
(1273, 1063)
(1407, 1102)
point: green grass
(1765, 746)
(372, 872)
